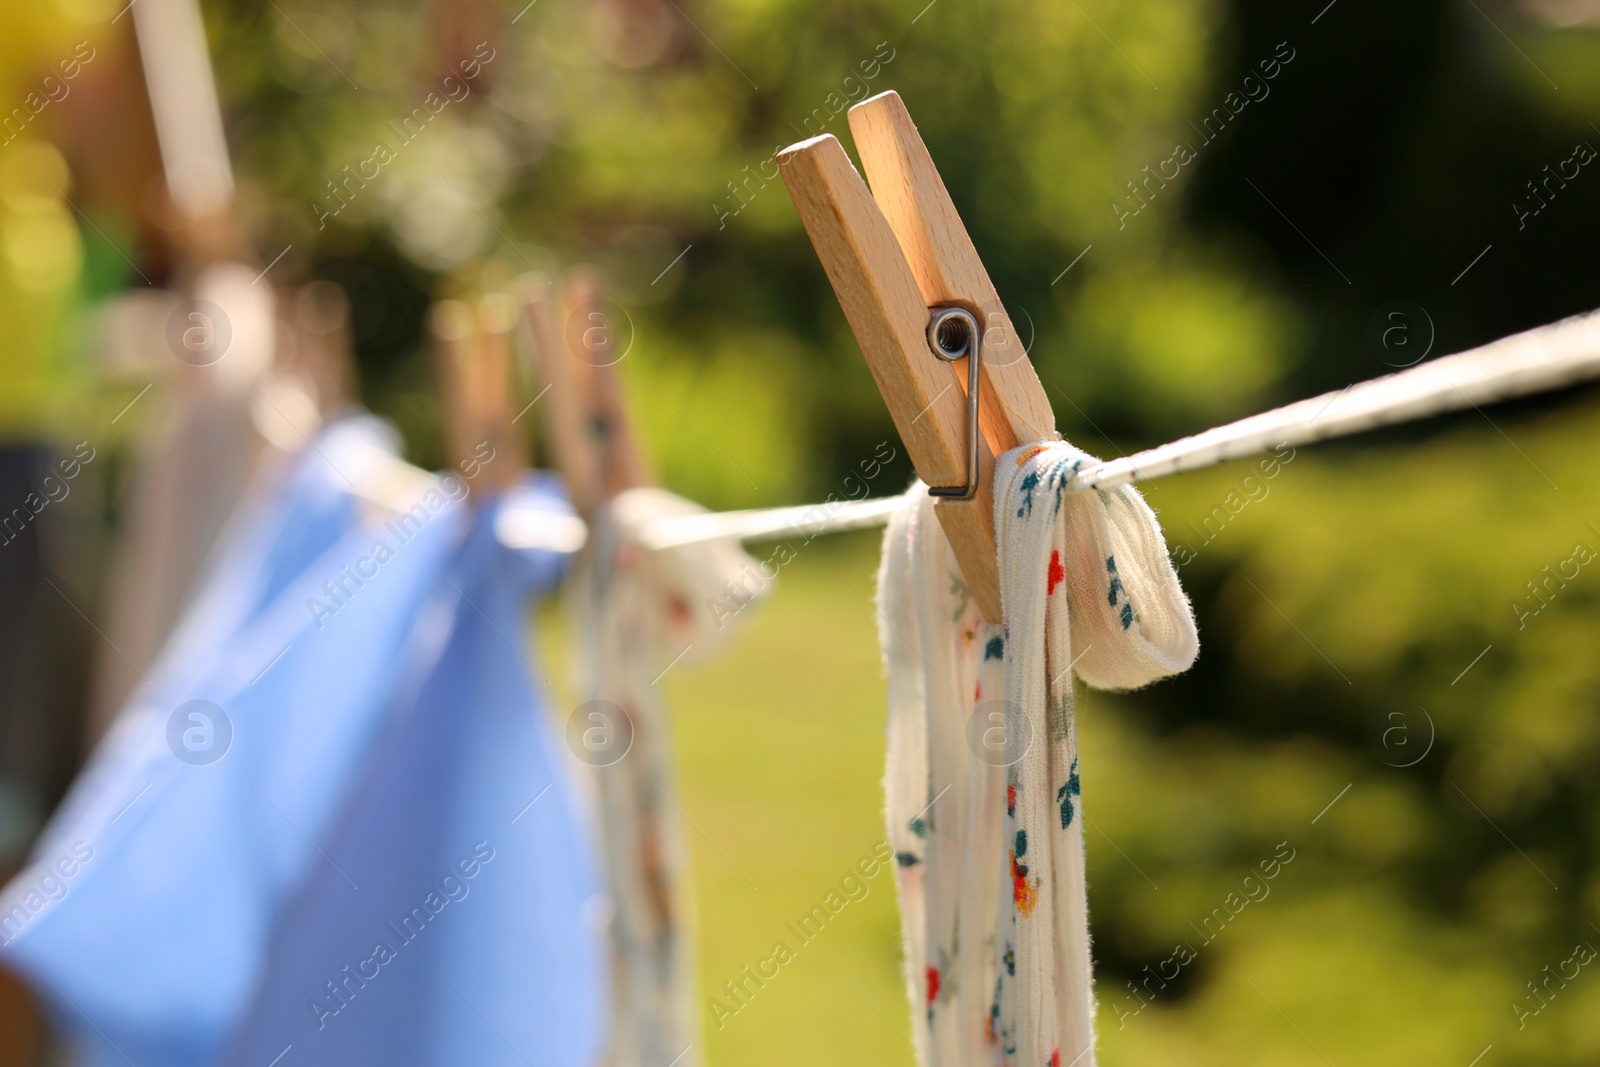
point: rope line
(1535, 361)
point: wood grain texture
(886, 310)
(1014, 409)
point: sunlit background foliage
(1370, 637)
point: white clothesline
(1537, 360)
(760, 523)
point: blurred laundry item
(205, 453)
(295, 520)
(457, 916)
(635, 612)
(314, 650)
(638, 612)
(989, 851)
(302, 508)
(229, 395)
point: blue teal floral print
(1072, 788)
(1116, 590)
(1030, 482)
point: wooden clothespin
(901, 262)
(472, 343)
(573, 348)
(315, 346)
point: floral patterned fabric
(639, 612)
(983, 791)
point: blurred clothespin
(202, 220)
(312, 376)
(573, 349)
(315, 345)
(472, 343)
(919, 302)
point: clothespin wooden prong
(593, 338)
(1013, 408)
(893, 260)
(316, 322)
(562, 409)
(472, 343)
(571, 341)
(450, 328)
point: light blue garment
(454, 920)
(155, 944)
(149, 911)
(299, 512)
(377, 717)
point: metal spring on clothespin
(903, 266)
(953, 334)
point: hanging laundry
(944, 667)
(640, 611)
(299, 510)
(144, 916)
(454, 914)
(983, 784)
(190, 475)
